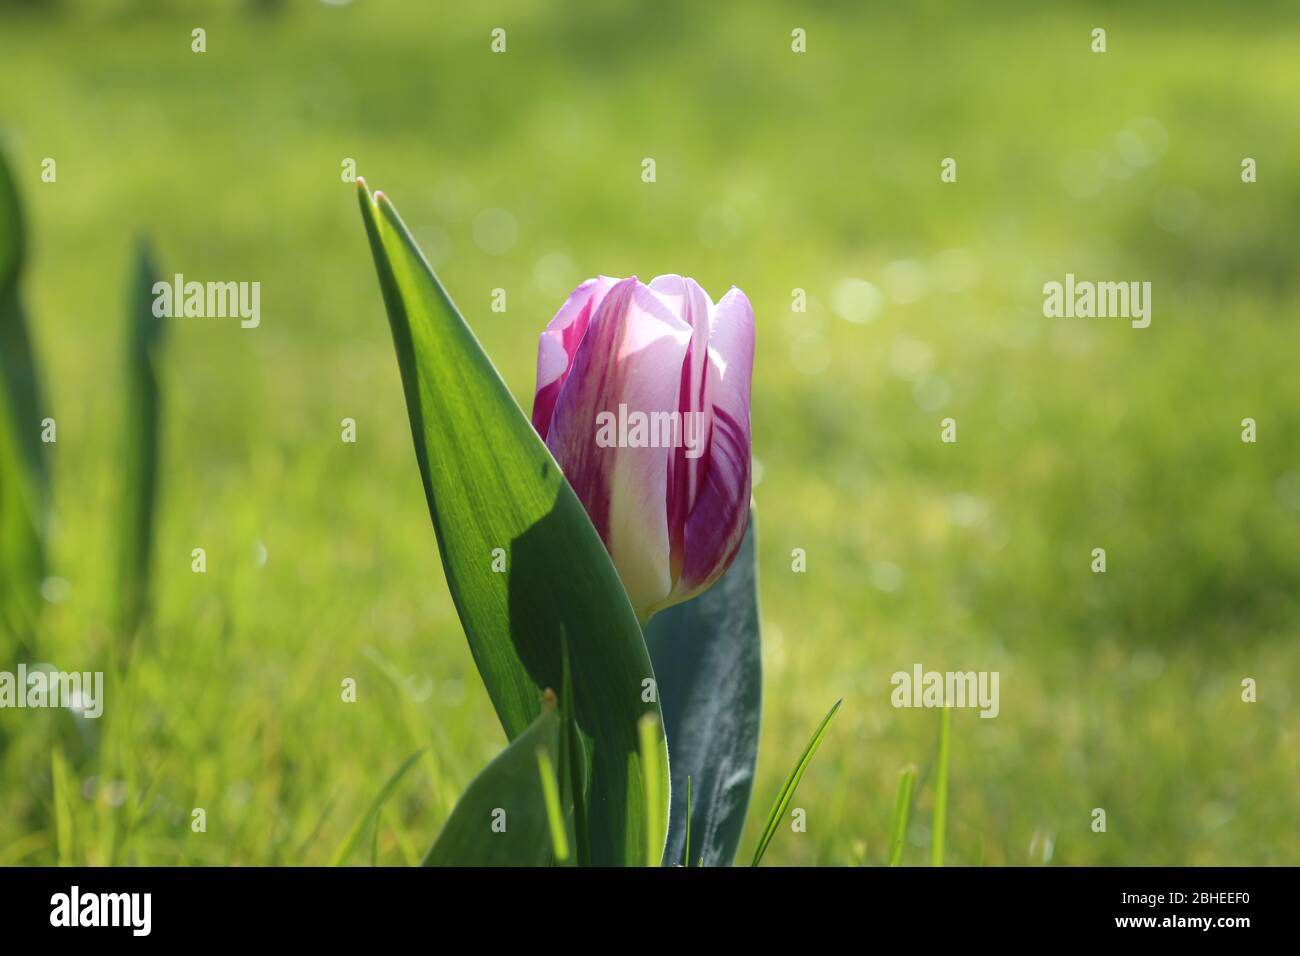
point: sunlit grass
(776, 172)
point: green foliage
(371, 816)
(555, 817)
(708, 664)
(503, 818)
(902, 811)
(23, 478)
(1073, 434)
(140, 437)
(495, 491)
(939, 823)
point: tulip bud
(643, 399)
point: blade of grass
(940, 791)
(554, 814)
(688, 822)
(315, 831)
(572, 754)
(791, 784)
(140, 448)
(902, 811)
(62, 808)
(372, 812)
(656, 822)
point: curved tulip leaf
(494, 493)
(502, 818)
(23, 477)
(139, 445)
(708, 663)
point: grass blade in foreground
(902, 811)
(708, 664)
(372, 812)
(655, 823)
(492, 487)
(940, 791)
(139, 446)
(502, 818)
(792, 784)
(554, 810)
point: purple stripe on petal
(720, 512)
(692, 303)
(559, 343)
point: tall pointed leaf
(140, 443)
(23, 477)
(708, 663)
(494, 490)
(18, 373)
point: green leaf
(791, 785)
(372, 812)
(11, 227)
(61, 791)
(902, 811)
(708, 664)
(18, 373)
(20, 548)
(140, 443)
(940, 791)
(491, 484)
(24, 482)
(508, 792)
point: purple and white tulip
(643, 399)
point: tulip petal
(559, 343)
(686, 466)
(631, 356)
(717, 521)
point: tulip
(643, 399)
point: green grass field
(776, 171)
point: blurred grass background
(775, 171)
